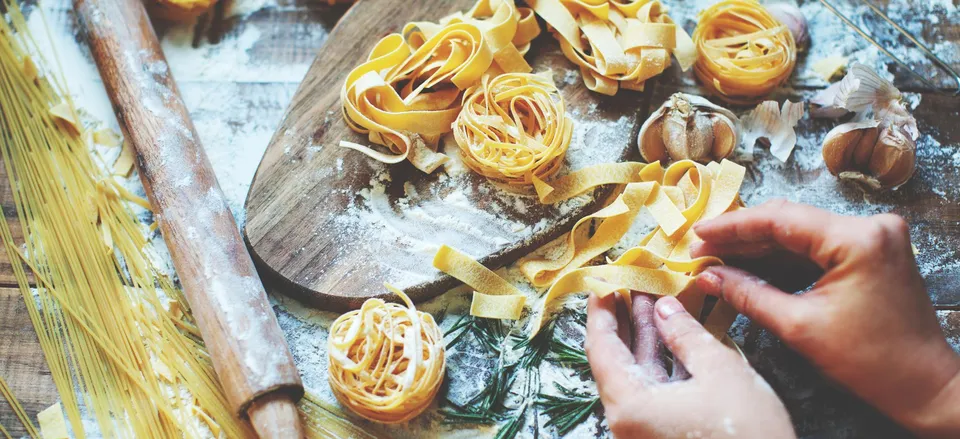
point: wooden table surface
(255, 96)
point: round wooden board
(330, 225)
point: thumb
(751, 296)
(698, 350)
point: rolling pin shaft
(219, 279)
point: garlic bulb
(790, 15)
(689, 127)
(878, 155)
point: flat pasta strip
(512, 128)
(386, 360)
(660, 264)
(743, 51)
(408, 92)
(494, 298)
(616, 43)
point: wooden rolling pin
(219, 280)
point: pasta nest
(513, 129)
(386, 360)
(616, 43)
(743, 51)
(407, 94)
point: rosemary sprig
(563, 353)
(568, 410)
(488, 332)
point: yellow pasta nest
(616, 43)
(386, 360)
(408, 92)
(743, 52)
(512, 128)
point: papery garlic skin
(878, 155)
(793, 18)
(688, 127)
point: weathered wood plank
(22, 363)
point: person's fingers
(801, 229)
(624, 327)
(679, 373)
(737, 249)
(751, 296)
(609, 357)
(647, 348)
(699, 352)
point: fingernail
(709, 282)
(668, 306)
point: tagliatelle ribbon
(386, 360)
(660, 264)
(616, 43)
(494, 297)
(512, 128)
(407, 94)
(743, 51)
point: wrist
(940, 415)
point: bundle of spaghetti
(660, 264)
(616, 43)
(513, 129)
(408, 92)
(18, 410)
(116, 332)
(743, 51)
(386, 360)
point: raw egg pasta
(386, 360)
(743, 52)
(408, 92)
(660, 263)
(512, 128)
(616, 43)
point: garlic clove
(724, 136)
(841, 142)
(894, 157)
(863, 150)
(651, 138)
(791, 16)
(688, 127)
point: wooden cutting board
(329, 225)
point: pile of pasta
(616, 43)
(409, 91)
(743, 51)
(513, 129)
(660, 264)
(386, 360)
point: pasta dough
(386, 360)
(513, 129)
(616, 43)
(660, 264)
(743, 52)
(408, 92)
(495, 298)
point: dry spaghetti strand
(743, 52)
(513, 129)
(386, 360)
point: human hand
(723, 397)
(867, 323)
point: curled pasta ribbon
(660, 264)
(494, 298)
(386, 360)
(408, 92)
(743, 52)
(616, 43)
(512, 128)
